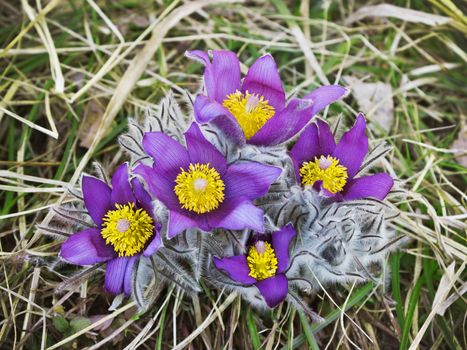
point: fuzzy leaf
(79, 323)
(60, 323)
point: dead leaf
(92, 117)
(405, 14)
(460, 145)
(135, 19)
(451, 299)
(102, 326)
(374, 100)
(444, 285)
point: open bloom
(199, 188)
(331, 168)
(255, 110)
(264, 265)
(126, 228)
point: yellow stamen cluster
(251, 111)
(200, 189)
(262, 261)
(127, 229)
(328, 170)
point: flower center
(250, 110)
(123, 225)
(262, 261)
(200, 189)
(326, 169)
(127, 229)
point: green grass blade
(413, 301)
(251, 325)
(307, 329)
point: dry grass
(73, 71)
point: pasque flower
(264, 265)
(199, 188)
(254, 110)
(126, 228)
(331, 168)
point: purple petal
(222, 76)
(263, 79)
(249, 180)
(236, 267)
(274, 289)
(208, 110)
(128, 277)
(121, 189)
(376, 186)
(335, 196)
(168, 154)
(281, 243)
(115, 273)
(327, 144)
(202, 151)
(353, 147)
(284, 124)
(86, 248)
(198, 55)
(236, 216)
(324, 96)
(178, 223)
(97, 197)
(154, 245)
(159, 185)
(142, 196)
(145, 202)
(296, 115)
(305, 149)
(231, 129)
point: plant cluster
(232, 198)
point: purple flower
(255, 110)
(331, 168)
(264, 265)
(126, 228)
(199, 188)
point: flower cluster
(234, 197)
